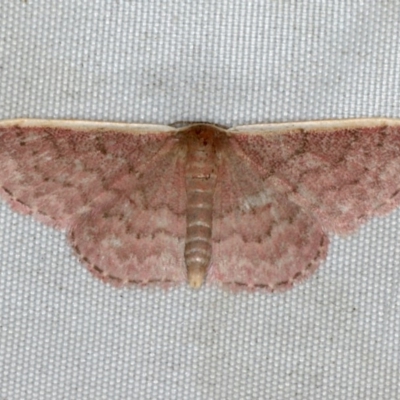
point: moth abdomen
(200, 176)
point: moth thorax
(200, 185)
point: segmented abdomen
(200, 186)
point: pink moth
(248, 207)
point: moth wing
(54, 169)
(117, 188)
(343, 172)
(135, 232)
(260, 238)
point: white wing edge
(256, 129)
(322, 125)
(87, 125)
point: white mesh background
(64, 335)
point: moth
(247, 207)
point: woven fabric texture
(65, 335)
